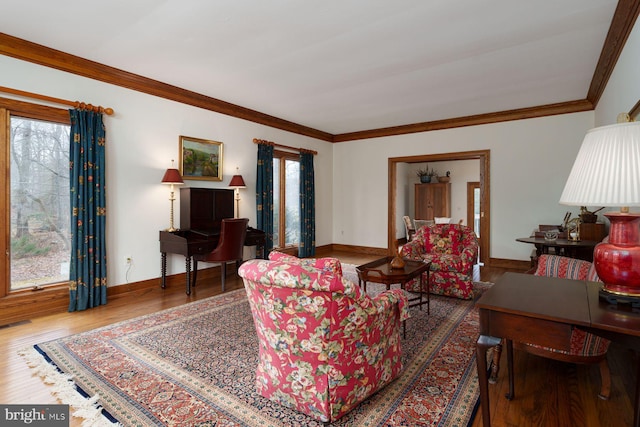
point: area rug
(194, 365)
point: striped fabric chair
(583, 347)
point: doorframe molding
(484, 156)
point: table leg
(163, 269)
(484, 343)
(188, 273)
(636, 406)
(428, 291)
(421, 291)
(512, 392)
(495, 364)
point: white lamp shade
(607, 169)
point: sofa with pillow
(324, 345)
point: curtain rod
(304, 150)
(76, 104)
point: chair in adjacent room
(408, 228)
(419, 223)
(230, 246)
(581, 346)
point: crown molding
(42, 55)
(479, 119)
(621, 26)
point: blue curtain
(88, 270)
(264, 193)
(307, 246)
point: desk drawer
(524, 329)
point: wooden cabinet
(432, 200)
(592, 231)
(202, 209)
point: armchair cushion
(566, 268)
(324, 345)
(327, 264)
(452, 250)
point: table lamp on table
(606, 172)
(172, 177)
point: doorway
(484, 193)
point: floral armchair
(452, 250)
(324, 345)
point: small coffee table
(380, 271)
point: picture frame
(200, 159)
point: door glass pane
(292, 202)
(276, 203)
(40, 239)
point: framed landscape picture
(200, 159)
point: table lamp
(172, 177)
(237, 183)
(606, 172)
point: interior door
(473, 207)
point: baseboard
(366, 250)
(511, 264)
(28, 304)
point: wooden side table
(380, 271)
(581, 249)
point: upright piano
(201, 214)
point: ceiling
(338, 67)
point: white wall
(142, 138)
(530, 162)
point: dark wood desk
(190, 243)
(581, 249)
(536, 309)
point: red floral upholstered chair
(582, 347)
(452, 250)
(324, 346)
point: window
(286, 199)
(36, 211)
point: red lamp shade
(237, 181)
(172, 176)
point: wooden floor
(548, 393)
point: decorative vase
(397, 261)
(617, 261)
(425, 179)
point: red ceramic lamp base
(617, 261)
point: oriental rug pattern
(194, 365)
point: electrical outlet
(128, 260)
